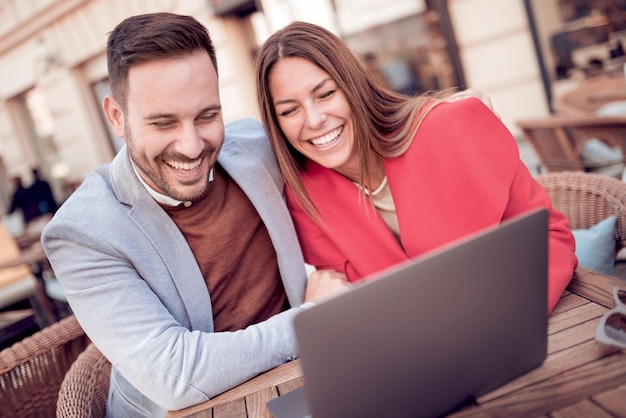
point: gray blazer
(136, 289)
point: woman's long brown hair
(384, 121)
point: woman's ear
(114, 115)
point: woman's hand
(324, 284)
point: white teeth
(328, 138)
(184, 166)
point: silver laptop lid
(424, 337)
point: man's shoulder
(246, 145)
(246, 128)
(249, 134)
(93, 195)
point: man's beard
(154, 171)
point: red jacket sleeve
(527, 193)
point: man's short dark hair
(148, 37)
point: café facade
(53, 66)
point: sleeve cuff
(307, 305)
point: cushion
(595, 247)
(617, 108)
(603, 158)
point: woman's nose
(316, 117)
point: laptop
(427, 337)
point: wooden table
(590, 95)
(579, 378)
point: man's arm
(130, 307)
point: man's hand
(324, 284)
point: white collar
(159, 197)
(383, 184)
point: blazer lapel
(166, 239)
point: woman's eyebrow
(313, 90)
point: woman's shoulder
(463, 117)
(465, 127)
(468, 108)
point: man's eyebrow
(159, 116)
(313, 90)
(211, 108)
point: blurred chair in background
(592, 144)
(14, 223)
(591, 96)
(16, 283)
(587, 199)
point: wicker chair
(17, 283)
(559, 141)
(85, 389)
(588, 198)
(31, 371)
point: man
(42, 192)
(179, 257)
(24, 201)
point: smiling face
(173, 123)
(314, 115)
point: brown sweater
(234, 253)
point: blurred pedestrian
(41, 192)
(23, 200)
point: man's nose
(189, 141)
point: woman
(375, 177)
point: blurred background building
(519, 52)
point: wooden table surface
(590, 95)
(32, 231)
(34, 254)
(580, 378)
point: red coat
(461, 174)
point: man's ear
(114, 115)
